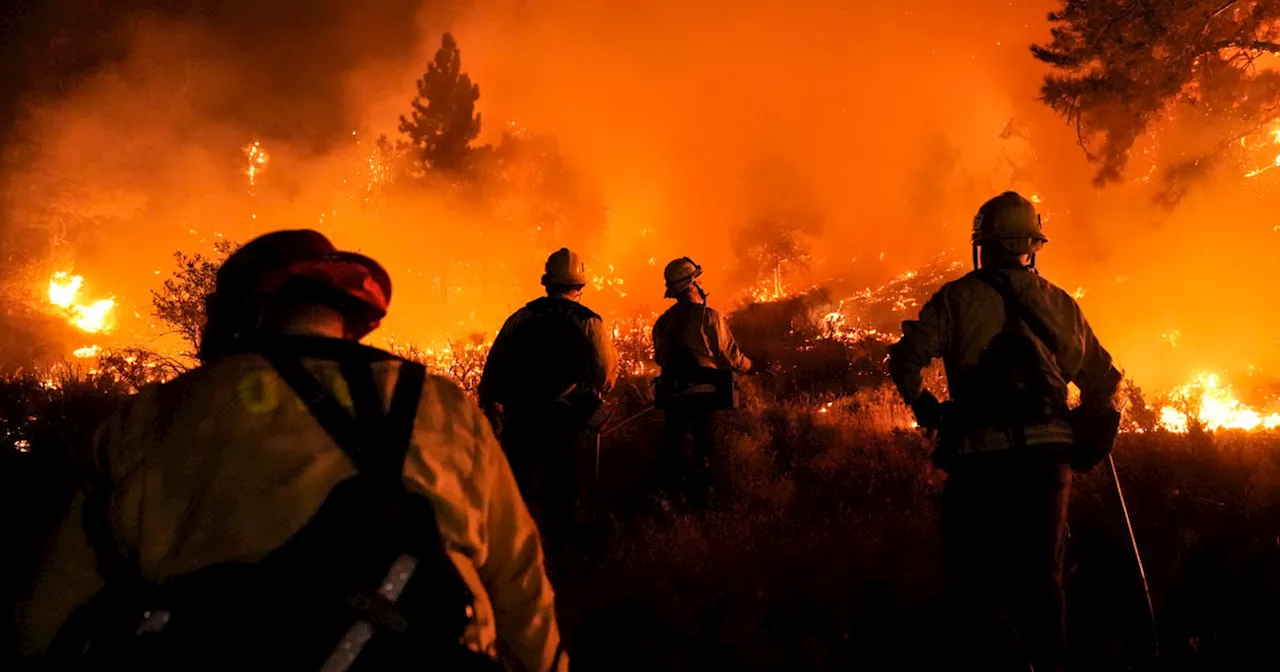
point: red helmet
(302, 260)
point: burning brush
(64, 294)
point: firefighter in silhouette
(1011, 342)
(299, 501)
(698, 355)
(544, 381)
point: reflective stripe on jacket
(226, 463)
(988, 439)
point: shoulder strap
(375, 443)
(336, 420)
(404, 410)
(1015, 309)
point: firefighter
(544, 382)
(1011, 341)
(698, 355)
(231, 467)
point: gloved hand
(928, 411)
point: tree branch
(1255, 45)
(1222, 9)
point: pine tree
(1123, 66)
(443, 122)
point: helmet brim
(380, 275)
(982, 240)
(674, 291)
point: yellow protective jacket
(692, 334)
(225, 463)
(961, 320)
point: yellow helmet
(565, 267)
(679, 274)
(1005, 217)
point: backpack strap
(1016, 311)
(404, 409)
(336, 420)
(375, 442)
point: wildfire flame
(1212, 405)
(257, 162)
(610, 281)
(64, 290)
(1275, 140)
(88, 352)
(376, 172)
(770, 288)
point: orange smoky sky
(893, 121)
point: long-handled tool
(1137, 556)
(627, 420)
(609, 429)
(604, 430)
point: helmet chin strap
(1030, 267)
(701, 292)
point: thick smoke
(893, 121)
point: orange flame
(1211, 404)
(1275, 140)
(257, 162)
(64, 289)
(610, 281)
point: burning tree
(768, 247)
(775, 240)
(443, 122)
(1122, 66)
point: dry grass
(821, 549)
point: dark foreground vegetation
(820, 551)
(822, 554)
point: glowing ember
(838, 326)
(610, 281)
(64, 290)
(257, 162)
(1275, 140)
(1213, 406)
(767, 293)
(87, 352)
(376, 171)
